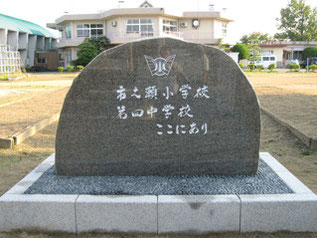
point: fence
(10, 62)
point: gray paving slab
(117, 214)
(198, 214)
(37, 212)
(282, 212)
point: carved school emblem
(160, 66)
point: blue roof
(15, 24)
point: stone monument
(159, 107)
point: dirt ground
(292, 97)
(35, 84)
(18, 116)
(30, 100)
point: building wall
(277, 51)
(26, 44)
(51, 60)
(285, 54)
(12, 39)
(203, 34)
(3, 36)
(31, 50)
(208, 32)
(23, 40)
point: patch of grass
(307, 152)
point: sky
(248, 15)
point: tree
(223, 46)
(254, 51)
(258, 36)
(89, 49)
(298, 22)
(242, 49)
(309, 52)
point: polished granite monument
(159, 107)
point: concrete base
(181, 214)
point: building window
(68, 32)
(41, 60)
(143, 27)
(224, 29)
(266, 52)
(89, 30)
(298, 55)
(169, 26)
(60, 57)
(69, 56)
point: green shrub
(291, 67)
(242, 50)
(28, 68)
(294, 67)
(312, 67)
(306, 152)
(260, 67)
(60, 69)
(271, 67)
(70, 68)
(251, 67)
(79, 67)
(241, 65)
(309, 52)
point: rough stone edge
(310, 142)
(31, 130)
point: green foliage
(306, 152)
(312, 67)
(294, 67)
(241, 65)
(60, 69)
(223, 46)
(254, 51)
(251, 67)
(298, 22)
(89, 49)
(271, 67)
(79, 67)
(309, 52)
(256, 36)
(260, 67)
(70, 68)
(28, 68)
(242, 49)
